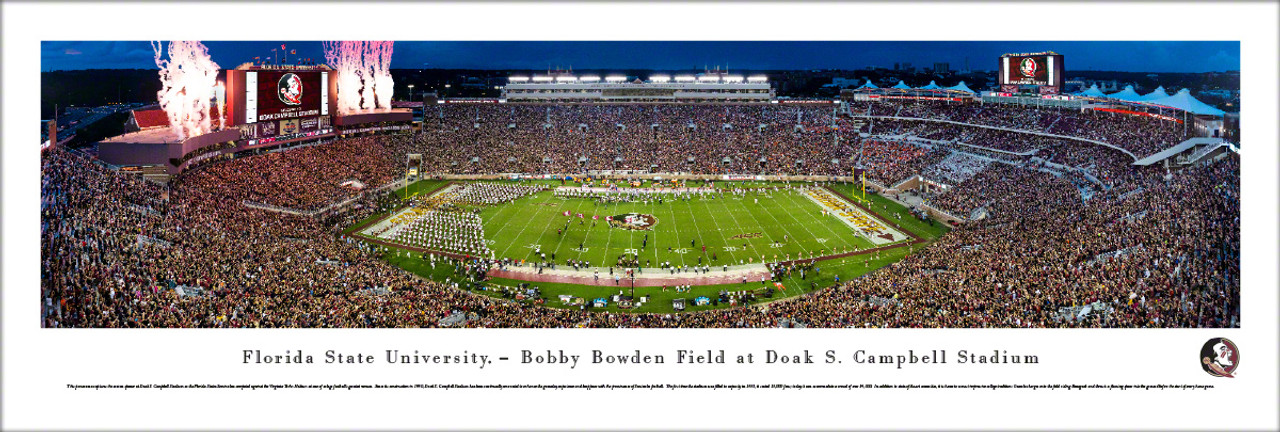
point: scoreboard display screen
(282, 95)
(1031, 69)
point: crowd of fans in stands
(698, 139)
(115, 248)
(1142, 136)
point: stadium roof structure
(1184, 101)
(961, 87)
(933, 85)
(1158, 93)
(902, 90)
(1092, 92)
(1179, 148)
(902, 85)
(868, 85)
(1126, 95)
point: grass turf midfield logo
(633, 221)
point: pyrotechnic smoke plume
(383, 86)
(363, 74)
(187, 80)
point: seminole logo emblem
(290, 89)
(633, 221)
(1220, 357)
(1029, 67)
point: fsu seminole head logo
(1029, 67)
(1220, 357)
(633, 221)
(290, 89)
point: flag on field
(595, 217)
(608, 218)
(566, 212)
(579, 215)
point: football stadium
(303, 194)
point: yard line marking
(821, 222)
(572, 213)
(526, 226)
(717, 222)
(762, 227)
(507, 206)
(670, 203)
(604, 259)
(784, 228)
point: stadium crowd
(118, 251)
(698, 139)
(1142, 136)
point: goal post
(412, 170)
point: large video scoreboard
(278, 104)
(283, 95)
(1037, 69)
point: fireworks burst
(364, 74)
(187, 81)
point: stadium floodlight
(542, 78)
(659, 78)
(615, 78)
(518, 79)
(708, 78)
(566, 78)
(757, 78)
(684, 78)
(590, 78)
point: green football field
(733, 229)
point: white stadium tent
(1092, 92)
(1184, 101)
(1159, 93)
(961, 87)
(903, 86)
(932, 86)
(868, 85)
(1126, 95)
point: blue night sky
(1130, 56)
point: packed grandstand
(1055, 217)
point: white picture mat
(39, 362)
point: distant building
(846, 82)
(1219, 93)
(941, 68)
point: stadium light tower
(410, 92)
